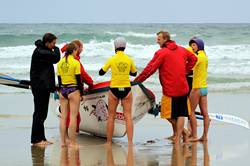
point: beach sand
(227, 145)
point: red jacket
(84, 75)
(173, 62)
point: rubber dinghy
(94, 109)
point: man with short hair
(42, 77)
(173, 62)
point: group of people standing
(174, 63)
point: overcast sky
(126, 11)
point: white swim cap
(120, 42)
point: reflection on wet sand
(92, 151)
(70, 157)
(186, 154)
(206, 154)
(129, 161)
(38, 155)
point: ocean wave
(131, 34)
(97, 48)
(134, 34)
(229, 52)
(224, 60)
(230, 87)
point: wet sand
(228, 144)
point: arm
(79, 83)
(151, 67)
(191, 61)
(49, 56)
(105, 68)
(59, 81)
(78, 76)
(85, 77)
(133, 71)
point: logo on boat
(100, 110)
(219, 117)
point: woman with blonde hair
(85, 78)
(71, 90)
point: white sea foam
(236, 86)
(132, 34)
(135, 34)
(227, 61)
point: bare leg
(64, 105)
(179, 129)
(206, 120)
(194, 100)
(74, 102)
(127, 109)
(112, 105)
(185, 135)
(173, 123)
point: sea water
(226, 45)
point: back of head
(198, 41)
(120, 43)
(78, 42)
(48, 37)
(71, 48)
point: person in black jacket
(42, 77)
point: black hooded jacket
(42, 75)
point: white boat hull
(94, 110)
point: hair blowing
(70, 49)
(77, 42)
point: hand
(136, 80)
(82, 98)
(90, 87)
(56, 49)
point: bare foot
(193, 139)
(49, 142)
(41, 143)
(176, 140)
(171, 137)
(186, 136)
(108, 144)
(130, 144)
(203, 139)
